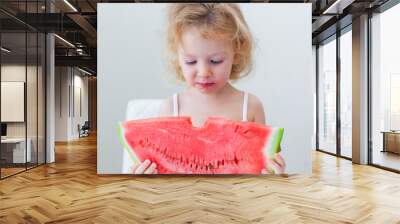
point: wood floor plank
(70, 191)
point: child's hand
(146, 167)
(275, 166)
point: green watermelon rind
(125, 145)
(274, 144)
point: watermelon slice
(221, 146)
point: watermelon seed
(236, 128)
(236, 160)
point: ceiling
(76, 22)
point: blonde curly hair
(214, 20)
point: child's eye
(216, 61)
(190, 62)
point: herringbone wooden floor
(70, 191)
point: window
(327, 96)
(346, 94)
(385, 88)
(22, 66)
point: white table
(19, 149)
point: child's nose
(204, 71)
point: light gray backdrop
(131, 65)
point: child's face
(206, 63)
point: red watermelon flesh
(221, 146)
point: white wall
(80, 84)
(68, 81)
(12, 101)
(16, 72)
(61, 103)
(131, 65)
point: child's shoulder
(254, 101)
(256, 109)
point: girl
(210, 45)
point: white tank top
(244, 107)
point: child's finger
(142, 167)
(277, 167)
(134, 167)
(269, 166)
(150, 169)
(280, 159)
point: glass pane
(346, 94)
(31, 85)
(13, 87)
(31, 100)
(395, 101)
(386, 89)
(22, 67)
(41, 99)
(327, 97)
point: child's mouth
(204, 85)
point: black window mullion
(369, 90)
(45, 93)
(317, 96)
(338, 91)
(37, 89)
(26, 86)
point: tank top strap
(175, 105)
(245, 105)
